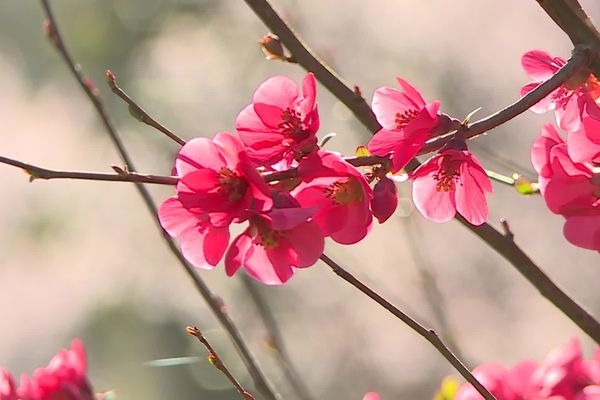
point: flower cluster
(563, 375)
(451, 181)
(64, 378)
(569, 171)
(226, 180)
(274, 177)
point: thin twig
(214, 302)
(138, 112)
(36, 172)
(578, 60)
(215, 360)
(429, 334)
(509, 250)
(275, 337)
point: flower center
(291, 125)
(345, 191)
(592, 86)
(231, 184)
(447, 176)
(267, 237)
(402, 119)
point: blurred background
(84, 259)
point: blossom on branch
(276, 243)
(570, 189)
(339, 193)
(578, 96)
(452, 180)
(64, 378)
(280, 123)
(563, 375)
(407, 121)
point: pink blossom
(407, 122)
(339, 192)
(385, 199)
(583, 145)
(570, 189)
(8, 390)
(64, 378)
(563, 375)
(371, 396)
(280, 123)
(453, 180)
(571, 100)
(276, 243)
(218, 185)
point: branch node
(508, 233)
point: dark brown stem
(214, 302)
(35, 172)
(429, 334)
(578, 60)
(509, 250)
(505, 246)
(573, 20)
(138, 112)
(215, 360)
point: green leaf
(362, 151)
(524, 187)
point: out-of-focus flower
(452, 180)
(385, 199)
(570, 189)
(407, 122)
(563, 375)
(276, 243)
(8, 390)
(280, 123)
(371, 396)
(63, 379)
(339, 192)
(578, 96)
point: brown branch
(215, 360)
(214, 302)
(304, 56)
(505, 246)
(578, 60)
(428, 334)
(138, 112)
(36, 172)
(509, 250)
(573, 20)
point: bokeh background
(84, 259)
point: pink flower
(218, 185)
(563, 375)
(277, 243)
(407, 122)
(583, 145)
(570, 189)
(569, 101)
(453, 180)
(385, 199)
(64, 378)
(7, 386)
(339, 192)
(280, 123)
(371, 396)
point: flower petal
(539, 65)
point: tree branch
(35, 172)
(214, 302)
(578, 60)
(429, 334)
(510, 251)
